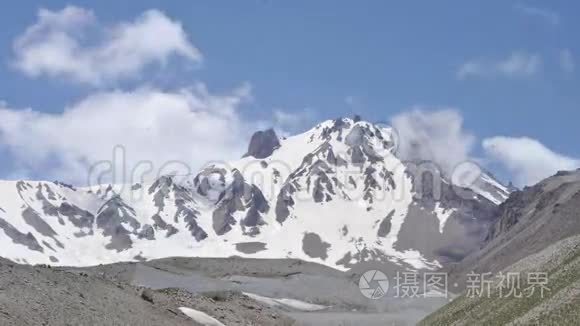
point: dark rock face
(18, 237)
(317, 174)
(313, 246)
(210, 182)
(78, 217)
(250, 247)
(162, 189)
(338, 125)
(51, 208)
(31, 218)
(147, 232)
(185, 210)
(385, 226)
(512, 211)
(110, 219)
(284, 202)
(263, 144)
(240, 196)
(464, 231)
(363, 257)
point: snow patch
(285, 302)
(200, 317)
(443, 215)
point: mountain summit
(336, 194)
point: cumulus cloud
(191, 126)
(72, 44)
(437, 136)
(518, 64)
(547, 15)
(527, 159)
(567, 61)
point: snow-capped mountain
(336, 194)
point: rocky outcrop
(240, 197)
(263, 144)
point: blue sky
(510, 68)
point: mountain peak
(263, 143)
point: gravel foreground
(40, 295)
(152, 293)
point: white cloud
(439, 136)
(527, 159)
(71, 44)
(288, 123)
(518, 64)
(567, 61)
(190, 125)
(547, 15)
(436, 136)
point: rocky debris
(229, 307)
(147, 295)
(104, 295)
(38, 295)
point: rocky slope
(558, 305)
(529, 221)
(39, 295)
(538, 230)
(231, 291)
(336, 194)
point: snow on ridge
(442, 214)
(345, 227)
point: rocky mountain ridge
(336, 195)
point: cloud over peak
(527, 159)
(190, 126)
(437, 136)
(72, 44)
